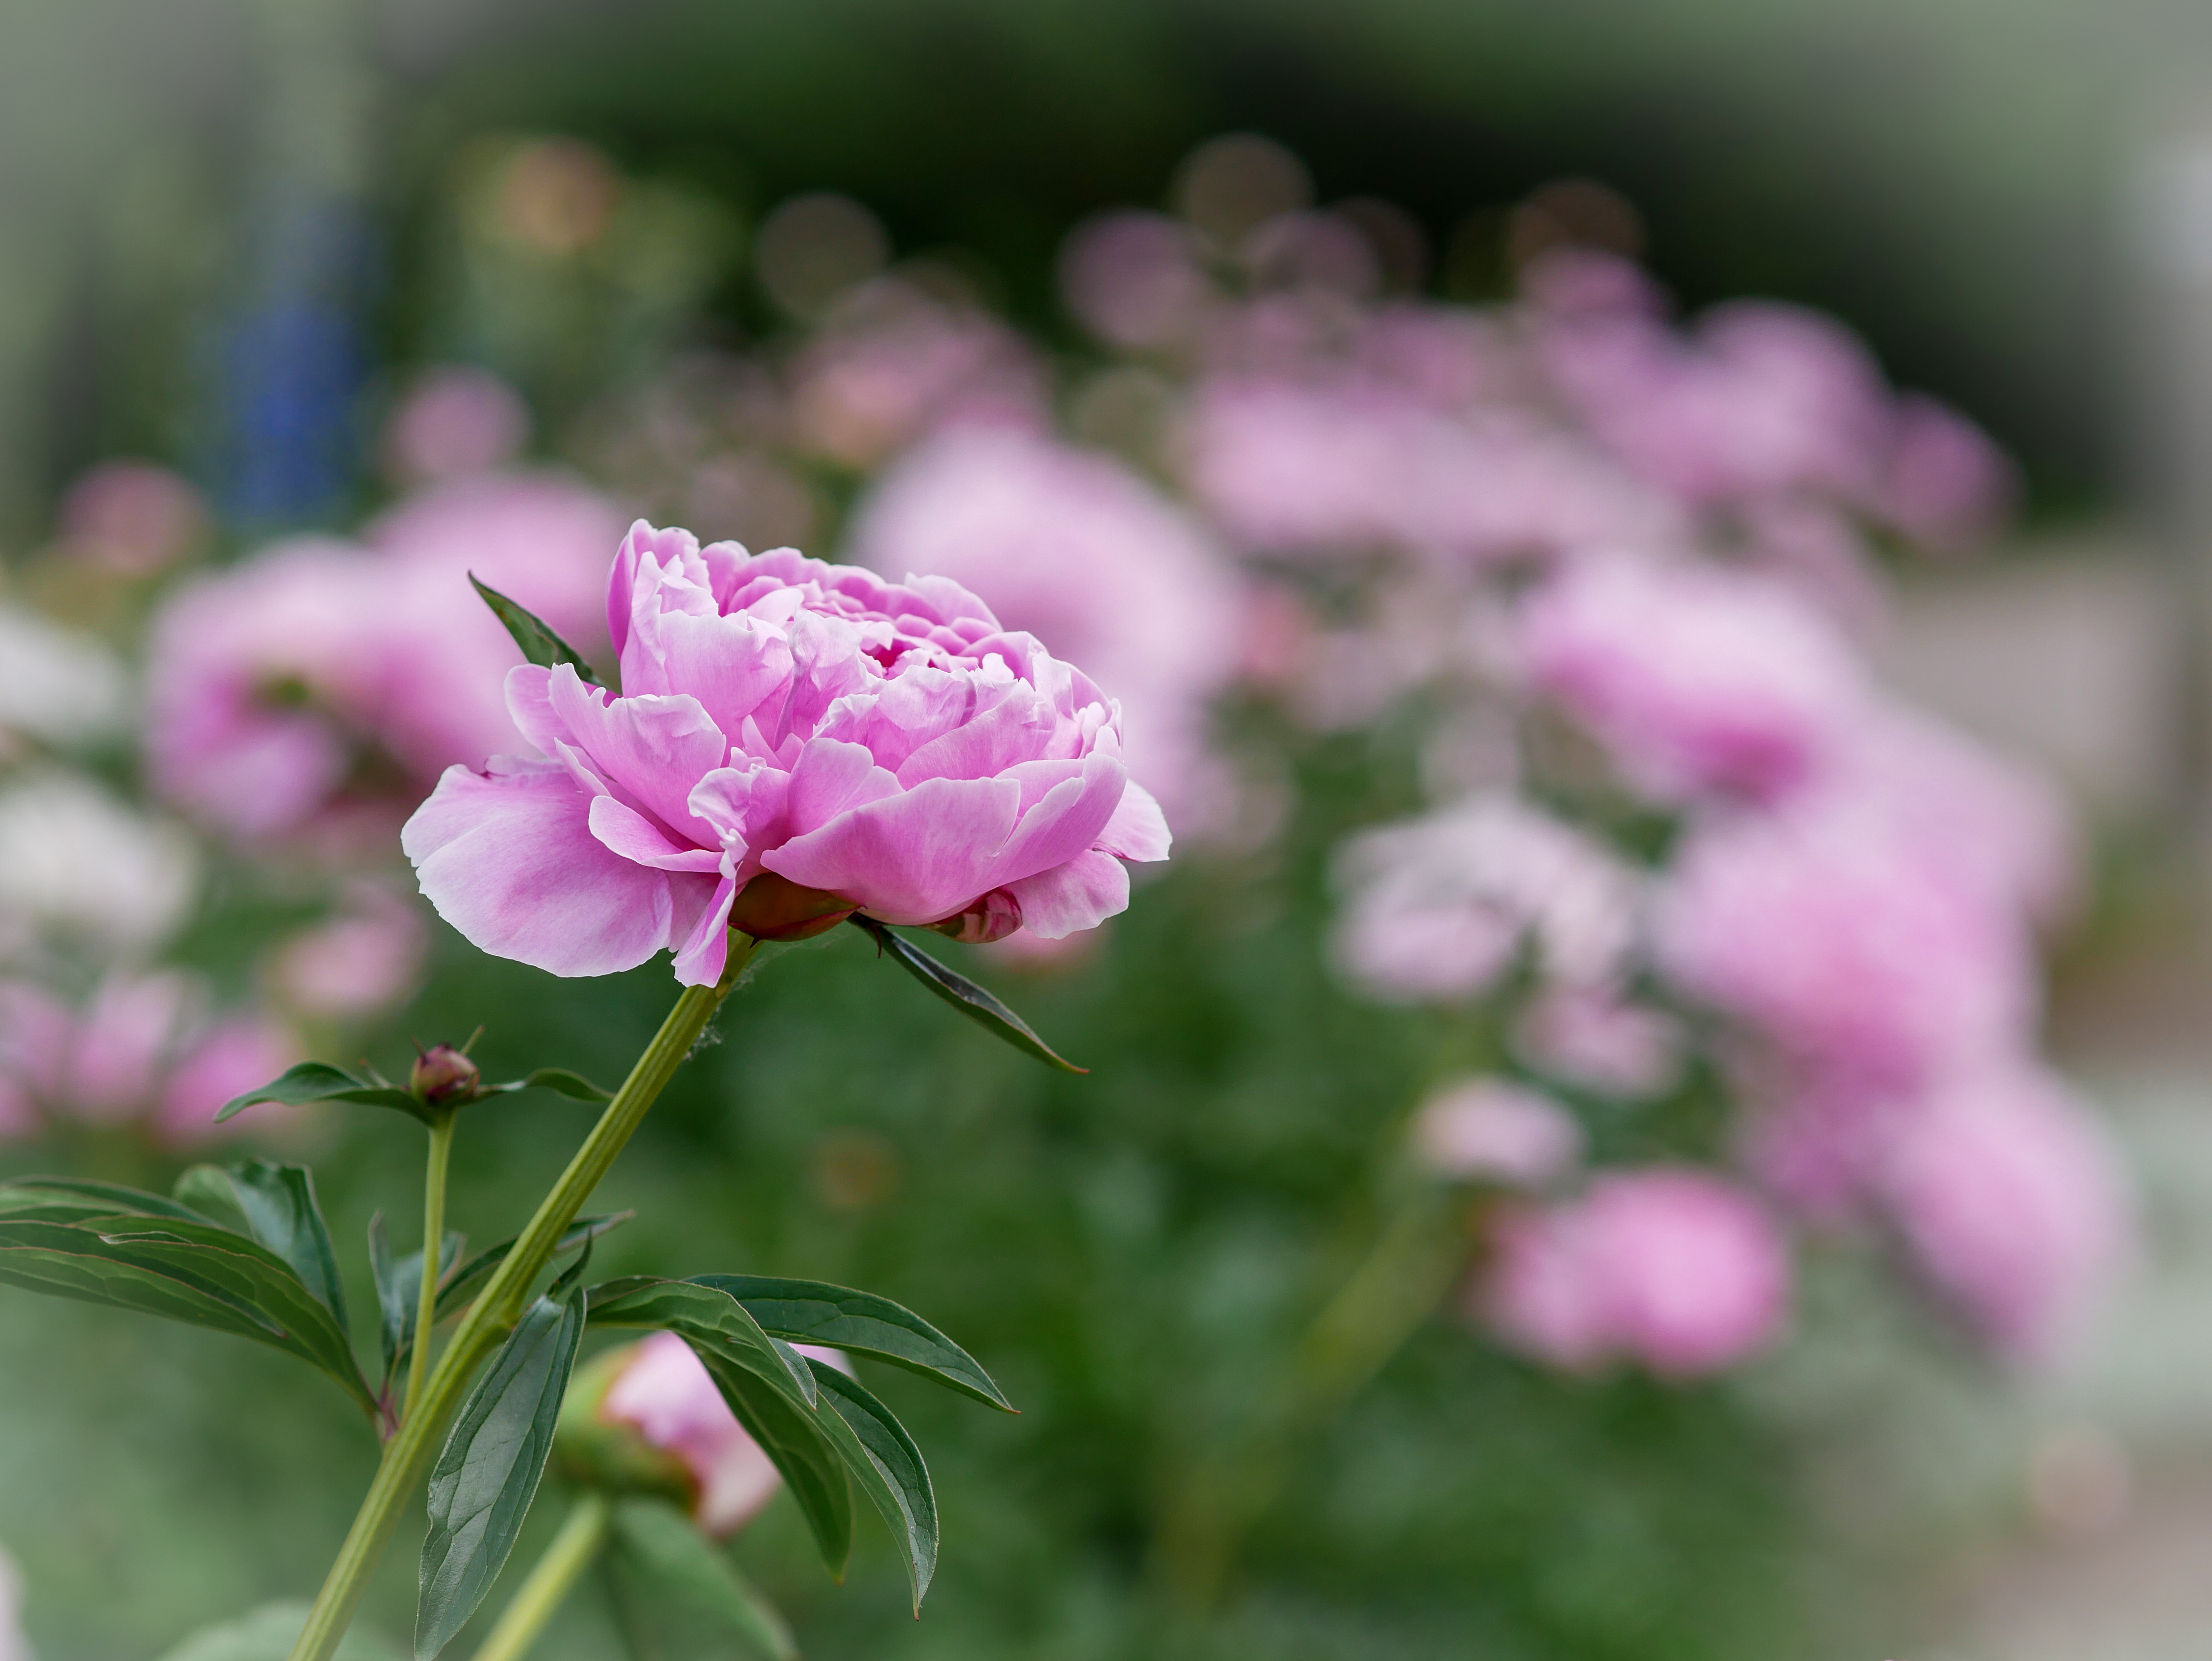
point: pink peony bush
(1675, 1270)
(146, 1050)
(806, 735)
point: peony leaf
(838, 1318)
(712, 1320)
(661, 1546)
(314, 1081)
(489, 1471)
(795, 1443)
(539, 644)
(458, 1286)
(972, 1001)
(575, 1085)
(399, 1287)
(884, 1460)
(66, 1199)
(194, 1271)
(277, 1205)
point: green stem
(434, 1237)
(532, 1606)
(408, 1454)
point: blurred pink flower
(896, 362)
(454, 421)
(882, 748)
(1437, 908)
(142, 1050)
(1074, 548)
(2013, 1203)
(294, 682)
(133, 518)
(1594, 1037)
(1845, 940)
(1332, 470)
(364, 959)
(1763, 399)
(1946, 485)
(1675, 1270)
(1694, 679)
(1497, 1130)
(665, 1394)
(1134, 279)
(253, 680)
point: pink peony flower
(1693, 680)
(1439, 907)
(1134, 279)
(365, 958)
(1498, 1131)
(665, 1394)
(454, 421)
(1593, 1036)
(1675, 1269)
(320, 675)
(1840, 938)
(1074, 548)
(132, 518)
(143, 1050)
(2013, 1203)
(1946, 485)
(888, 749)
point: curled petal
(509, 858)
(1068, 898)
(1138, 830)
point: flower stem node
(443, 1077)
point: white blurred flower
(13, 1646)
(1494, 1129)
(79, 869)
(61, 687)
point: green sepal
(539, 644)
(490, 1468)
(662, 1547)
(839, 1317)
(888, 1467)
(184, 1269)
(975, 1002)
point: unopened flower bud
(772, 907)
(443, 1076)
(648, 1419)
(993, 917)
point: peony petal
(911, 858)
(1071, 898)
(1138, 830)
(530, 707)
(732, 665)
(655, 747)
(705, 950)
(509, 858)
(637, 839)
(1069, 820)
(828, 778)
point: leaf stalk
(434, 1236)
(550, 1580)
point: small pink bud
(992, 918)
(443, 1075)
